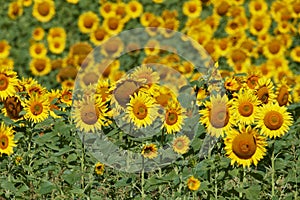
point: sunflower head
(181, 144)
(99, 168)
(149, 151)
(193, 183)
(6, 139)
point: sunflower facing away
(273, 120)
(37, 108)
(174, 117)
(245, 106)
(142, 109)
(6, 140)
(149, 151)
(245, 146)
(181, 144)
(217, 115)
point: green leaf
(71, 177)
(46, 187)
(6, 185)
(253, 192)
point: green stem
(82, 165)
(162, 137)
(216, 185)
(273, 170)
(242, 181)
(143, 179)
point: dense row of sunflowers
(257, 61)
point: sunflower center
(3, 141)
(244, 146)
(252, 81)
(107, 8)
(263, 94)
(100, 35)
(219, 116)
(298, 53)
(257, 6)
(43, 8)
(223, 8)
(296, 7)
(192, 8)
(258, 25)
(273, 120)
(111, 47)
(36, 108)
(3, 82)
(15, 9)
(283, 96)
(88, 22)
(89, 114)
(133, 8)
(274, 47)
(38, 50)
(171, 118)
(2, 47)
(246, 109)
(40, 65)
(113, 23)
(238, 56)
(140, 111)
(179, 144)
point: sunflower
(4, 49)
(98, 36)
(37, 50)
(258, 7)
(192, 8)
(88, 22)
(107, 9)
(15, 9)
(295, 54)
(38, 33)
(245, 146)
(142, 109)
(258, 26)
(181, 144)
(43, 10)
(112, 47)
(245, 106)
(27, 3)
(252, 79)
(193, 183)
(7, 63)
(149, 151)
(57, 45)
(99, 168)
(170, 27)
(146, 75)
(174, 117)
(152, 47)
(233, 84)
(34, 88)
(37, 108)
(217, 115)
(73, 1)
(283, 93)
(56, 32)
(66, 96)
(104, 90)
(6, 140)
(134, 9)
(89, 114)
(40, 66)
(264, 90)
(68, 84)
(274, 48)
(113, 25)
(121, 12)
(12, 107)
(221, 8)
(273, 120)
(8, 83)
(146, 18)
(54, 96)
(154, 25)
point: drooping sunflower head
(264, 90)
(274, 120)
(245, 146)
(283, 93)
(149, 151)
(6, 140)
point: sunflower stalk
(273, 170)
(143, 179)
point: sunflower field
(150, 99)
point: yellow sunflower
(27, 3)
(181, 144)
(149, 151)
(37, 50)
(121, 12)
(295, 54)
(163, 95)
(283, 93)
(66, 96)
(252, 79)
(40, 66)
(88, 22)
(8, 83)
(57, 45)
(98, 36)
(54, 96)
(174, 117)
(192, 8)
(245, 146)
(142, 109)
(134, 9)
(7, 142)
(107, 9)
(146, 75)
(43, 10)
(264, 90)
(99, 168)
(37, 108)
(56, 32)
(38, 33)
(258, 26)
(245, 106)
(112, 47)
(258, 7)
(146, 18)
(90, 115)
(193, 183)
(217, 116)
(15, 9)
(4, 49)
(113, 25)
(273, 120)
(274, 48)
